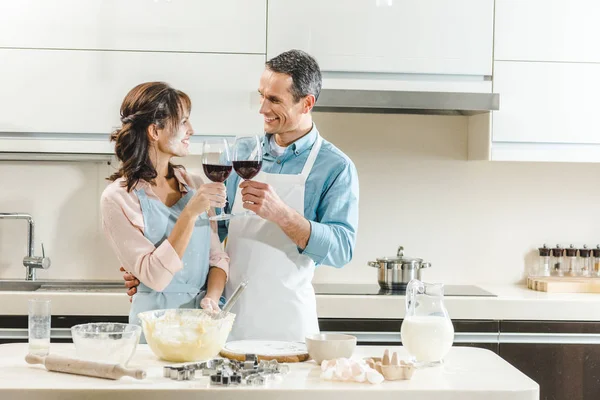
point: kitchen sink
(62, 286)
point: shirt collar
(299, 146)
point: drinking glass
(39, 327)
(216, 162)
(247, 159)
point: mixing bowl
(107, 342)
(183, 335)
(329, 346)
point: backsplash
(475, 221)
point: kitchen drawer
(386, 332)
(563, 371)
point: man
(306, 202)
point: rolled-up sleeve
(153, 266)
(333, 234)
(218, 256)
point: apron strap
(172, 288)
(310, 161)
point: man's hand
(261, 198)
(131, 282)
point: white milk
(40, 347)
(427, 338)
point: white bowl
(107, 342)
(186, 334)
(329, 346)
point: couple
(155, 214)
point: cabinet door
(561, 356)
(546, 102)
(62, 91)
(547, 30)
(394, 36)
(236, 26)
(563, 371)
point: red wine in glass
(247, 169)
(247, 159)
(217, 173)
(216, 162)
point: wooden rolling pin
(81, 367)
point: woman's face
(176, 141)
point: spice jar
(572, 264)
(596, 261)
(558, 262)
(585, 262)
(543, 266)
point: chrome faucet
(30, 261)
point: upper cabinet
(66, 65)
(547, 30)
(428, 37)
(81, 91)
(232, 26)
(547, 102)
(547, 73)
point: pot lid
(399, 258)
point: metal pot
(394, 273)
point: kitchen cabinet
(548, 354)
(546, 71)
(233, 26)
(546, 102)
(547, 112)
(80, 92)
(387, 36)
(547, 30)
(66, 65)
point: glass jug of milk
(427, 331)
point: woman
(155, 214)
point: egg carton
(392, 368)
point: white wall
(475, 221)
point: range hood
(406, 102)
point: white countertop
(511, 303)
(467, 374)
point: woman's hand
(208, 195)
(209, 305)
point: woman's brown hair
(146, 104)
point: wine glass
(216, 162)
(247, 159)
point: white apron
(279, 302)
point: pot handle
(400, 251)
(373, 264)
(425, 265)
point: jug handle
(400, 251)
(414, 286)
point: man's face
(281, 113)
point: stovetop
(375, 290)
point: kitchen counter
(468, 374)
(512, 303)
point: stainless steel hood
(405, 102)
